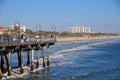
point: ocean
(81, 60)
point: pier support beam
(1, 75)
(21, 61)
(3, 66)
(38, 59)
(9, 64)
(6, 59)
(32, 64)
(48, 59)
(28, 58)
(18, 54)
(43, 59)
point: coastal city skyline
(101, 16)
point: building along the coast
(80, 29)
(3, 29)
(19, 27)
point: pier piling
(6, 59)
(38, 59)
(32, 64)
(21, 61)
(48, 59)
(3, 66)
(28, 58)
(9, 64)
(1, 75)
(0, 71)
(18, 54)
(43, 59)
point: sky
(99, 15)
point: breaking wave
(84, 47)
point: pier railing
(30, 41)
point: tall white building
(80, 29)
(86, 29)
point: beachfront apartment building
(80, 29)
(86, 29)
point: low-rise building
(3, 29)
(19, 27)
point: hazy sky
(100, 15)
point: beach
(72, 39)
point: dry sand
(71, 39)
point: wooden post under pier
(32, 64)
(1, 75)
(28, 58)
(43, 58)
(38, 59)
(18, 54)
(48, 59)
(3, 66)
(6, 59)
(21, 61)
(9, 64)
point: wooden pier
(9, 48)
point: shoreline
(73, 39)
